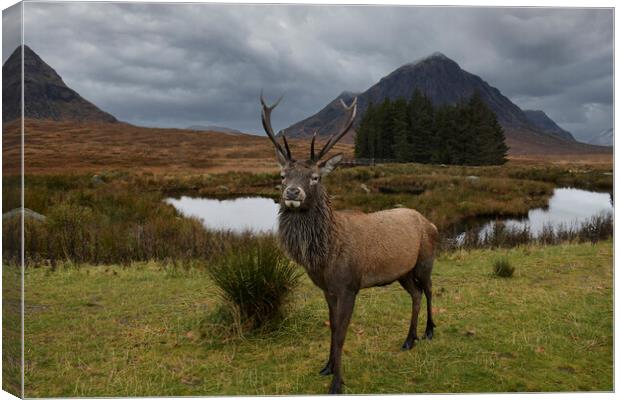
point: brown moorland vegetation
(60, 147)
(53, 147)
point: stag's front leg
(342, 317)
(328, 369)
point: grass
(11, 330)
(503, 268)
(254, 281)
(119, 217)
(148, 330)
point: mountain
(45, 93)
(542, 122)
(603, 138)
(214, 128)
(445, 82)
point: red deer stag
(343, 252)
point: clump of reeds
(503, 268)
(599, 227)
(254, 280)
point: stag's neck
(308, 236)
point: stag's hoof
(429, 333)
(335, 388)
(409, 343)
(327, 370)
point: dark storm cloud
(11, 29)
(184, 64)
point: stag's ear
(281, 159)
(328, 166)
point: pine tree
(446, 135)
(402, 148)
(488, 140)
(467, 133)
(499, 149)
(422, 137)
(364, 138)
(385, 131)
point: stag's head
(301, 179)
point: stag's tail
(433, 234)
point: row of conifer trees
(416, 131)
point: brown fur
(346, 251)
(374, 249)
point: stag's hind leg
(409, 283)
(422, 274)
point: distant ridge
(542, 122)
(46, 94)
(445, 82)
(603, 138)
(214, 128)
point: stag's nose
(292, 193)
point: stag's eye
(314, 179)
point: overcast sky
(175, 65)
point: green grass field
(149, 330)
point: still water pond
(568, 208)
(256, 214)
(259, 214)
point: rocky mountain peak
(444, 82)
(46, 94)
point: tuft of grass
(503, 268)
(254, 280)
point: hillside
(73, 147)
(214, 128)
(542, 122)
(46, 94)
(59, 147)
(445, 82)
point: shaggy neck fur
(306, 235)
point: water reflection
(568, 207)
(256, 214)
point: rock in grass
(28, 214)
(97, 180)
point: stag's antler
(288, 150)
(312, 146)
(266, 118)
(333, 139)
